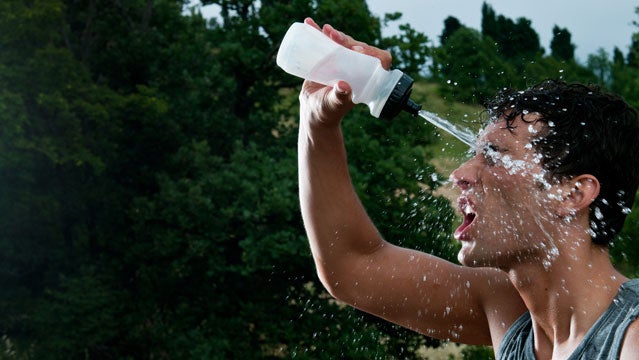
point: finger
(336, 35)
(341, 38)
(342, 91)
(339, 100)
(384, 56)
(347, 41)
(312, 22)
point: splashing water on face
(549, 251)
(464, 135)
(547, 246)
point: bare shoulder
(502, 305)
(630, 347)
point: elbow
(329, 281)
(336, 286)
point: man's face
(505, 200)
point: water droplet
(598, 213)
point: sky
(593, 24)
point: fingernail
(340, 90)
(358, 48)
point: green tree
(624, 249)
(624, 73)
(600, 64)
(60, 175)
(561, 46)
(516, 41)
(632, 59)
(469, 68)
(451, 25)
(550, 67)
(488, 19)
(617, 57)
(625, 81)
(410, 50)
(148, 174)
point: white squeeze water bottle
(307, 53)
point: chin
(465, 255)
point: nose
(465, 176)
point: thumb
(337, 103)
(341, 95)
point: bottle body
(307, 53)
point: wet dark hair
(588, 131)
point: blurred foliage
(148, 176)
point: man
(555, 172)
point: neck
(566, 295)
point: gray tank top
(602, 342)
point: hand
(327, 105)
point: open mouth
(468, 212)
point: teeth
(468, 209)
(465, 207)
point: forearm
(340, 233)
(336, 223)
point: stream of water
(464, 135)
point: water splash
(464, 135)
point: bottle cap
(399, 99)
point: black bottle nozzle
(412, 107)
(399, 99)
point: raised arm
(354, 262)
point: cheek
(498, 183)
(516, 180)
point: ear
(581, 191)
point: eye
(492, 154)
